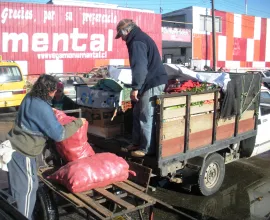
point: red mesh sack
(76, 146)
(87, 173)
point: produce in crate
(175, 86)
(76, 146)
(96, 171)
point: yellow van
(12, 84)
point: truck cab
(262, 143)
(12, 84)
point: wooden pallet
(125, 196)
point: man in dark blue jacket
(148, 80)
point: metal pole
(214, 36)
(246, 6)
(206, 38)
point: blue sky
(255, 7)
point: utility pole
(160, 7)
(214, 35)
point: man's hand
(133, 95)
(54, 110)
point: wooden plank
(201, 122)
(172, 129)
(178, 112)
(202, 97)
(225, 131)
(247, 115)
(106, 132)
(198, 123)
(172, 146)
(222, 122)
(173, 119)
(173, 113)
(143, 174)
(135, 185)
(135, 192)
(246, 125)
(200, 109)
(174, 101)
(99, 208)
(114, 198)
(60, 190)
(196, 140)
(200, 139)
(102, 199)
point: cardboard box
(87, 114)
(102, 117)
(106, 132)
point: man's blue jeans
(143, 133)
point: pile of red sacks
(76, 146)
(88, 173)
(86, 170)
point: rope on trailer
(252, 101)
(242, 94)
(246, 94)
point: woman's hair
(43, 86)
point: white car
(262, 143)
(70, 81)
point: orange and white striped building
(242, 41)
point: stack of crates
(102, 123)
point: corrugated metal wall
(50, 38)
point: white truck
(262, 143)
(194, 141)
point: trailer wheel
(45, 207)
(212, 175)
(247, 147)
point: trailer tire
(45, 207)
(247, 147)
(211, 175)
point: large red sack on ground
(87, 173)
(76, 146)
